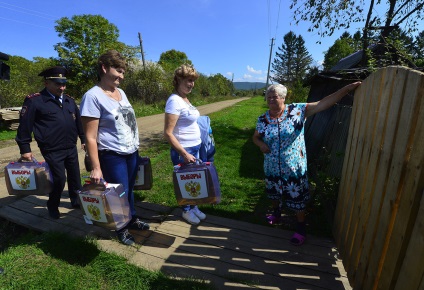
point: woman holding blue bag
(182, 130)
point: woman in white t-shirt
(181, 129)
(111, 132)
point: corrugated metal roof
(348, 62)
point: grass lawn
(240, 168)
(38, 261)
(237, 159)
(7, 134)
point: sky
(230, 37)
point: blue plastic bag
(207, 147)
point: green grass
(38, 261)
(238, 162)
(57, 261)
(240, 168)
(142, 110)
(7, 134)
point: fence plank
(361, 162)
(380, 111)
(383, 158)
(378, 224)
(349, 191)
(343, 197)
(408, 194)
(373, 137)
(414, 256)
(388, 178)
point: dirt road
(150, 128)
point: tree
(302, 59)
(419, 49)
(342, 47)
(312, 71)
(171, 59)
(147, 84)
(221, 85)
(292, 60)
(24, 79)
(327, 16)
(403, 45)
(86, 38)
(202, 86)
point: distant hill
(248, 85)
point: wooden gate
(379, 220)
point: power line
(22, 10)
(13, 20)
(270, 19)
(278, 19)
(272, 39)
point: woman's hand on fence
(352, 86)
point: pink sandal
(273, 220)
(297, 239)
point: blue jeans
(177, 159)
(121, 169)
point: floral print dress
(285, 167)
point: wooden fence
(379, 220)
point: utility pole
(142, 52)
(269, 62)
(232, 82)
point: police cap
(56, 74)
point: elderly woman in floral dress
(280, 136)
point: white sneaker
(198, 213)
(190, 217)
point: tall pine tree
(292, 60)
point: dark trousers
(59, 161)
(120, 169)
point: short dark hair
(110, 58)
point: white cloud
(229, 75)
(247, 77)
(253, 71)
(250, 78)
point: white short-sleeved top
(118, 130)
(186, 130)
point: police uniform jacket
(55, 126)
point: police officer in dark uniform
(55, 120)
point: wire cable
(13, 20)
(278, 19)
(22, 10)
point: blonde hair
(182, 72)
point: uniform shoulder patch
(69, 96)
(24, 110)
(33, 95)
